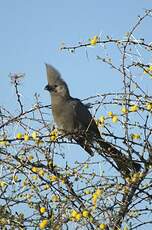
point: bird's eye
(55, 86)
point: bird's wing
(83, 117)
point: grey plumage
(74, 120)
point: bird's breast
(63, 117)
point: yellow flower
(101, 121)
(42, 210)
(41, 172)
(102, 227)
(15, 178)
(24, 183)
(149, 106)
(126, 189)
(3, 221)
(26, 137)
(99, 192)
(30, 158)
(54, 135)
(43, 224)
(96, 195)
(85, 213)
(94, 200)
(35, 169)
(46, 186)
(35, 177)
(73, 213)
(148, 70)
(34, 135)
(55, 198)
(124, 110)
(87, 191)
(78, 216)
(141, 174)
(135, 177)
(53, 178)
(135, 136)
(114, 118)
(94, 40)
(128, 180)
(134, 108)
(2, 184)
(126, 227)
(63, 181)
(19, 136)
(110, 114)
(3, 142)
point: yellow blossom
(55, 198)
(85, 213)
(100, 121)
(19, 136)
(26, 137)
(134, 108)
(54, 135)
(124, 110)
(148, 70)
(42, 210)
(35, 169)
(114, 118)
(102, 227)
(94, 40)
(34, 177)
(41, 172)
(3, 221)
(43, 224)
(128, 180)
(126, 227)
(24, 183)
(110, 114)
(28, 196)
(30, 158)
(99, 192)
(96, 195)
(78, 216)
(87, 191)
(141, 174)
(135, 177)
(149, 106)
(73, 213)
(2, 184)
(34, 135)
(126, 189)
(15, 178)
(135, 136)
(4, 142)
(94, 200)
(53, 178)
(63, 181)
(46, 186)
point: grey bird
(75, 121)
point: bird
(75, 121)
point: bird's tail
(124, 164)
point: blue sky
(31, 34)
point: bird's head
(56, 85)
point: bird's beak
(48, 87)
